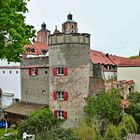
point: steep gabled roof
(98, 57)
(37, 48)
(102, 58)
(117, 59)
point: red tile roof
(37, 48)
(127, 81)
(102, 58)
(98, 57)
(125, 102)
(130, 63)
(117, 59)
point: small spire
(43, 26)
(56, 31)
(69, 16)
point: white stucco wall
(130, 73)
(109, 75)
(10, 82)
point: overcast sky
(114, 25)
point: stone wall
(35, 61)
(97, 70)
(96, 84)
(35, 88)
(71, 51)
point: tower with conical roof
(42, 35)
(70, 26)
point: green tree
(111, 133)
(42, 120)
(58, 133)
(87, 131)
(134, 108)
(14, 33)
(104, 106)
(129, 123)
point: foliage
(41, 120)
(129, 123)
(57, 134)
(105, 106)
(134, 108)
(14, 33)
(111, 133)
(87, 132)
(122, 131)
(134, 57)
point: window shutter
(55, 113)
(30, 71)
(65, 71)
(36, 71)
(54, 72)
(55, 95)
(65, 114)
(65, 96)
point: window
(105, 66)
(60, 114)
(60, 71)
(3, 72)
(33, 71)
(10, 71)
(46, 72)
(60, 95)
(72, 26)
(16, 72)
(43, 92)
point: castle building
(61, 71)
(70, 26)
(69, 72)
(10, 73)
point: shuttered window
(60, 71)
(60, 114)
(33, 71)
(60, 95)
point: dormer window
(28, 49)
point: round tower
(70, 26)
(42, 35)
(69, 64)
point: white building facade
(130, 70)
(10, 83)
